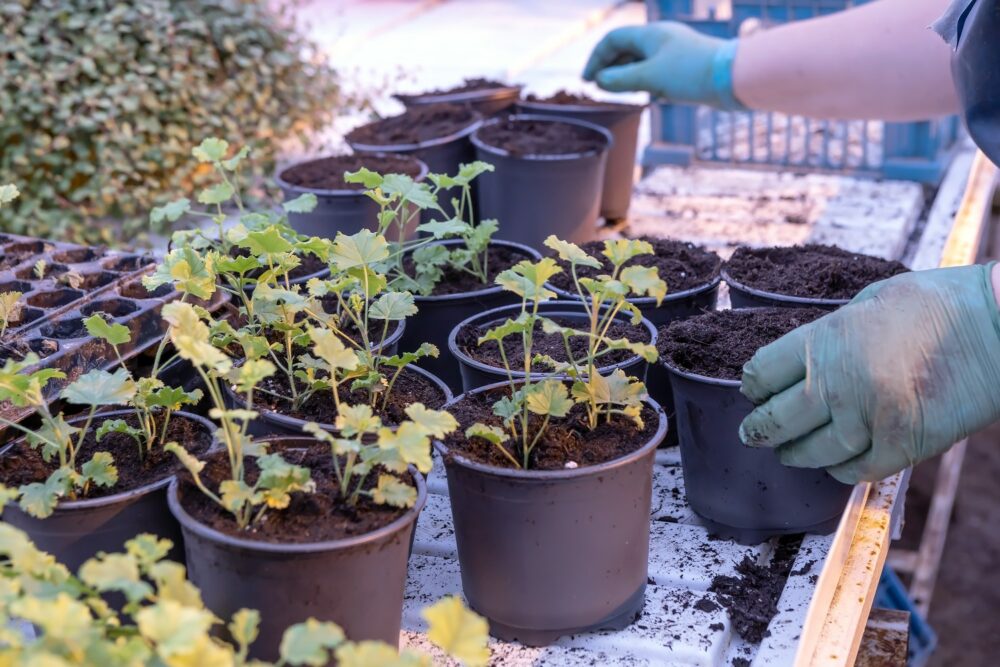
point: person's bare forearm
(875, 61)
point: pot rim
(602, 107)
(548, 475)
(290, 422)
(556, 309)
(702, 379)
(649, 300)
(103, 501)
(188, 522)
(342, 192)
(529, 253)
(478, 95)
(775, 296)
(477, 120)
(541, 157)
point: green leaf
(172, 398)
(115, 572)
(393, 491)
(191, 337)
(526, 279)
(172, 627)
(39, 499)
(244, 627)
(370, 653)
(232, 163)
(508, 407)
(328, 347)
(457, 631)
(193, 465)
(252, 372)
(468, 172)
(354, 420)
(147, 549)
(644, 280)
(185, 270)
(393, 306)
(358, 250)
(237, 266)
(437, 423)
(365, 177)
(440, 229)
(549, 397)
(119, 426)
(304, 203)
(211, 150)
(61, 618)
(216, 194)
(309, 643)
(114, 333)
(492, 434)
(266, 242)
(7, 495)
(53, 436)
(8, 193)
(100, 470)
(99, 387)
(235, 495)
(171, 212)
(523, 323)
(410, 443)
(407, 358)
(403, 186)
(572, 253)
(620, 251)
(278, 479)
(645, 350)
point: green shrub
(100, 101)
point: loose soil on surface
(548, 344)
(309, 517)
(541, 137)
(410, 387)
(576, 99)
(813, 271)
(328, 173)
(681, 265)
(453, 281)
(565, 440)
(751, 599)
(415, 125)
(467, 86)
(717, 344)
(24, 465)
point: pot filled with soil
(108, 516)
(455, 297)
(738, 491)
(622, 120)
(483, 364)
(319, 557)
(559, 546)
(820, 276)
(486, 96)
(548, 176)
(436, 134)
(342, 206)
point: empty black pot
(741, 492)
(79, 529)
(477, 374)
(345, 210)
(487, 101)
(437, 315)
(550, 553)
(742, 296)
(622, 120)
(534, 196)
(356, 582)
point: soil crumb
(328, 173)
(719, 343)
(541, 137)
(813, 271)
(415, 125)
(576, 99)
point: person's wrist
(722, 77)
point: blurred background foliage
(101, 101)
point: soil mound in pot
(812, 271)
(548, 344)
(717, 344)
(309, 517)
(565, 441)
(541, 137)
(681, 265)
(467, 86)
(575, 99)
(415, 125)
(499, 258)
(328, 173)
(24, 465)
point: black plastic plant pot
(79, 529)
(478, 374)
(622, 120)
(743, 296)
(355, 582)
(437, 315)
(545, 554)
(269, 424)
(442, 155)
(487, 101)
(345, 210)
(534, 196)
(741, 492)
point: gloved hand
(910, 366)
(670, 60)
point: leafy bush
(101, 100)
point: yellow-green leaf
(309, 643)
(437, 423)
(457, 631)
(549, 397)
(570, 252)
(393, 491)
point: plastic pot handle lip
(649, 301)
(343, 192)
(528, 252)
(567, 310)
(466, 131)
(545, 475)
(602, 106)
(562, 157)
(480, 95)
(188, 522)
(775, 296)
(103, 501)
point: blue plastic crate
(892, 595)
(685, 134)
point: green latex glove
(906, 369)
(670, 60)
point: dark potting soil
(680, 264)
(751, 599)
(498, 258)
(575, 99)
(565, 440)
(328, 173)
(813, 271)
(717, 344)
(548, 344)
(467, 86)
(24, 465)
(541, 137)
(410, 387)
(309, 517)
(415, 125)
